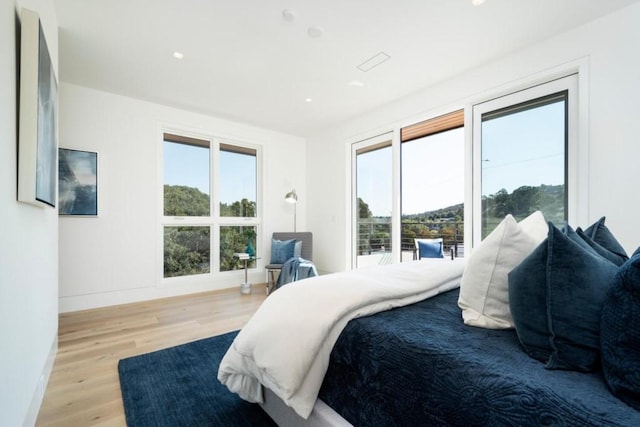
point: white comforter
(286, 345)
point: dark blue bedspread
(421, 366)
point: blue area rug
(179, 387)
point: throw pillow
(484, 296)
(575, 237)
(282, 250)
(599, 233)
(577, 283)
(528, 303)
(430, 248)
(620, 334)
(535, 226)
(601, 250)
(297, 250)
(556, 296)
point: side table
(245, 287)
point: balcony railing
(374, 237)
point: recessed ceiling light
(356, 83)
(308, 100)
(477, 2)
(178, 55)
(315, 32)
(288, 15)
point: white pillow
(535, 226)
(484, 289)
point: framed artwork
(77, 182)
(37, 142)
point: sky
(539, 157)
(432, 174)
(525, 148)
(189, 165)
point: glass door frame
(393, 138)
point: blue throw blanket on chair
(296, 268)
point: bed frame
(321, 415)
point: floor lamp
(292, 197)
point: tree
(186, 251)
(242, 208)
(180, 200)
(363, 209)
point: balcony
(374, 239)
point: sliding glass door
(433, 192)
(372, 201)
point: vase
(249, 249)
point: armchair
(306, 239)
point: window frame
(214, 221)
(574, 188)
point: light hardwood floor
(84, 389)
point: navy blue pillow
(600, 234)
(556, 296)
(282, 250)
(577, 284)
(430, 249)
(601, 250)
(528, 303)
(620, 334)
(573, 235)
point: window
(186, 251)
(210, 204)
(522, 149)
(238, 169)
(186, 176)
(432, 195)
(373, 201)
(408, 190)
(235, 239)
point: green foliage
(448, 222)
(363, 209)
(180, 200)
(243, 208)
(550, 199)
(186, 251)
(234, 239)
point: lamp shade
(291, 196)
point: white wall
(116, 257)
(28, 248)
(608, 50)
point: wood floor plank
(84, 388)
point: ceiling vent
(373, 62)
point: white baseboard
(38, 393)
(73, 303)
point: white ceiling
(244, 62)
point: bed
(407, 361)
(420, 365)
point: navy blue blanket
(421, 366)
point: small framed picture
(77, 182)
